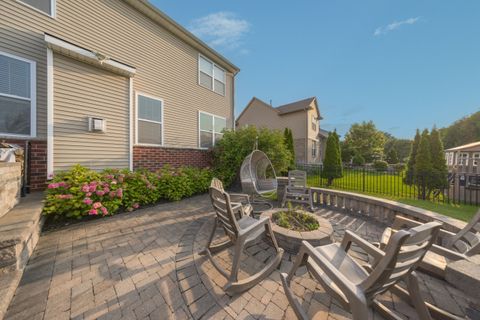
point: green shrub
(231, 150)
(358, 160)
(81, 192)
(295, 219)
(380, 165)
(399, 167)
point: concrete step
(19, 233)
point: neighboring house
(464, 161)
(322, 137)
(302, 117)
(111, 83)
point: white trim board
(81, 54)
(49, 113)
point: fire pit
(290, 238)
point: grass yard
(391, 186)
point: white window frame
(33, 98)
(213, 75)
(53, 5)
(314, 123)
(213, 128)
(137, 94)
(314, 148)
(461, 159)
(475, 159)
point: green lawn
(391, 186)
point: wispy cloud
(223, 30)
(394, 26)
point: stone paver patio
(146, 265)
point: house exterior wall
(154, 158)
(167, 67)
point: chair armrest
(239, 196)
(449, 254)
(342, 282)
(260, 223)
(351, 237)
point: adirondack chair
(357, 287)
(297, 191)
(236, 198)
(447, 248)
(240, 233)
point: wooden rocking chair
(240, 232)
(448, 247)
(235, 198)
(357, 287)
(297, 191)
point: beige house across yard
(108, 84)
(302, 117)
(464, 161)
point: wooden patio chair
(448, 247)
(240, 233)
(357, 287)
(235, 198)
(296, 190)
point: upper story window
(314, 123)
(476, 159)
(462, 159)
(17, 96)
(211, 76)
(45, 6)
(149, 120)
(210, 129)
(449, 158)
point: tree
(401, 146)
(231, 150)
(392, 157)
(288, 136)
(439, 166)
(410, 174)
(461, 132)
(366, 140)
(423, 165)
(332, 165)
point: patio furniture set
(356, 287)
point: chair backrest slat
(223, 209)
(466, 238)
(404, 250)
(297, 178)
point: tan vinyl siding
(81, 91)
(166, 66)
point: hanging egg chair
(258, 178)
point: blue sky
(404, 64)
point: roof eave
(148, 9)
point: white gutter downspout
(130, 141)
(49, 114)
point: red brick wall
(153, 158)
(37, 163)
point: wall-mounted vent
(97, 124)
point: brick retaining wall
(153, 158)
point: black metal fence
(458, 188)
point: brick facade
(153, 158)
(37, 162)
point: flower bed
(295, 219)
(82, 192)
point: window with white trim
(314, 149)
(45, 6)
(210, 129)
(17, 96)
(462, 159)
(314, 123)
(211, 76)
(149, 120)
(476, 159)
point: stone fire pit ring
(291, 241)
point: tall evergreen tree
(439, 165)
(332, 165)
(423, 165)
(410, 174)
(288, 137)
(392, 157)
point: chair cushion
(345, 264)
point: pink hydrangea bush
(82, 192)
